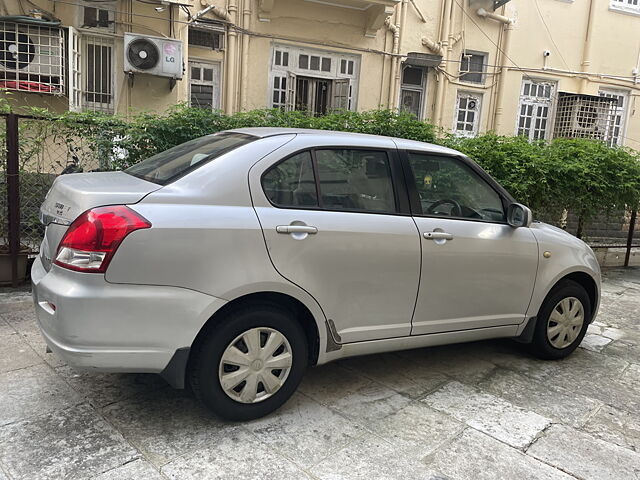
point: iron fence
(36, 151)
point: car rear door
(477, 271)
(336, 222)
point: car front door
(336, 222)
(477, 271)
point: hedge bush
(580, 175)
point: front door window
(449, 188)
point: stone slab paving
(477, 411)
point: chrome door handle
(296, 229)
(437, 236)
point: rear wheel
(562, 321)
(249, 364)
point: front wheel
(250, 363)
(562, 321)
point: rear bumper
(110, 327)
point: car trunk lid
(70, 195)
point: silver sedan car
(234, 261)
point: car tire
(238, 347)
(558, 331)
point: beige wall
(612, 55)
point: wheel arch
(587, 282)
(298, 309)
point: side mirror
(519, 216)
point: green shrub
(580, 175)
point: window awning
(376, 11)
(418, 59)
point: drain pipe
(395, 30)
(230, 90)
(404, 8)
(441, 91)
(246, 19)
(586, 52)
(213, 9)
(504, 57)
(431, 45)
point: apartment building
(540, 68)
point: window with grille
(412, 90)
(467, 118)
(615, 128)
(629, 6)
(206, 38)
(473, 67)
(98, 72)
(31, 58)
(98, 15)
(536, 101)
(204, 85)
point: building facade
(539, 68)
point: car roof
(401, 143)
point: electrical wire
(344, 46)
(550, 35)
(492, 41)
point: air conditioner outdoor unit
(31, 57)
(153, 55)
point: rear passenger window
(291, 183)
(357, 180)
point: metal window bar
(97, 69)
(615, 124)
(31, 58)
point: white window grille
(412, 90)
(327, 80)
(31, 58)
(97, 60)
(628, 6)
(536, 101)
(97, 16)
(473, 67)
(204, 85)
(583, 116)
(467, 119)
(615, 129)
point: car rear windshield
(167, 166)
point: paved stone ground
(474, 411)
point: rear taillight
(93, 237)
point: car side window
(447, 187)
(291, 183)
(355, 180)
